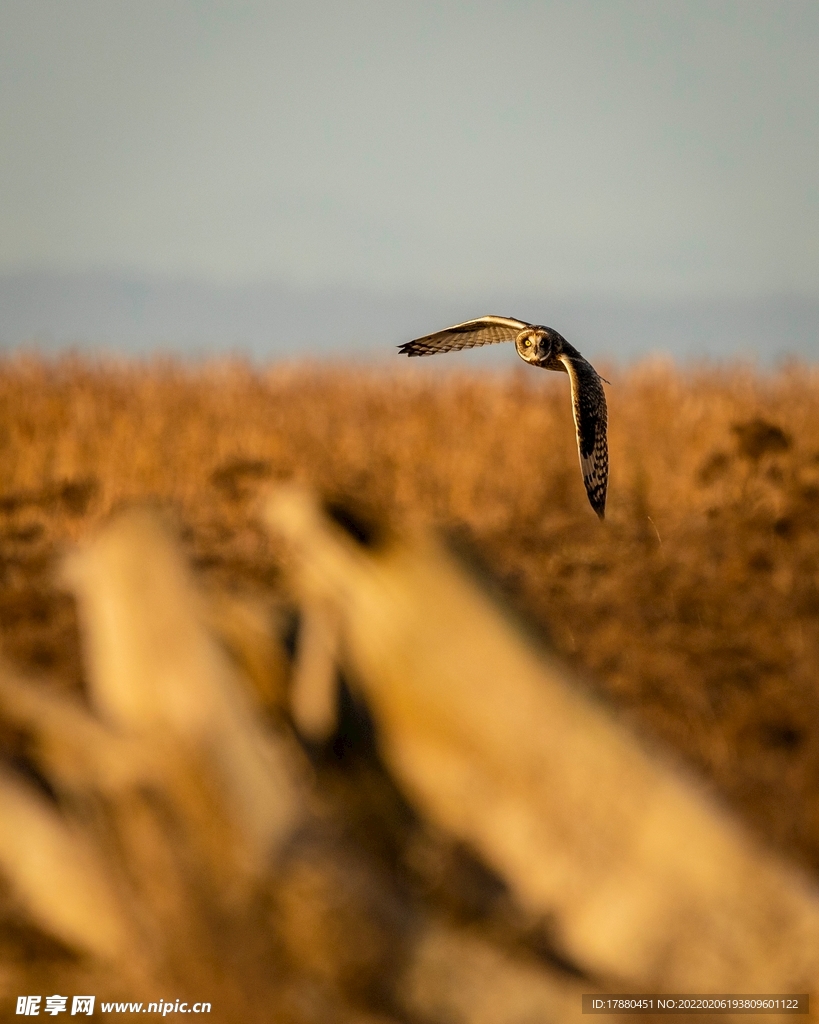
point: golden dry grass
(694, 607)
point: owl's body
(543, 347)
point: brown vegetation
(694, 608)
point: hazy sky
(610, 146)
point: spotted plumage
(541, 346)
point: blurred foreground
(461, 831)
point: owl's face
(535, 344)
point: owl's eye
(527, 342)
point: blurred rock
(155, 670)
(647, 880)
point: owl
(543, 347)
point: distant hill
(139, 314)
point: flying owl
(541, 346)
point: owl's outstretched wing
(486, 330)
(590, 420)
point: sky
(618, 149)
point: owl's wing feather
(486, 330)
(590, 420)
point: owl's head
(538, 344)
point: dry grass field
(693, 609)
